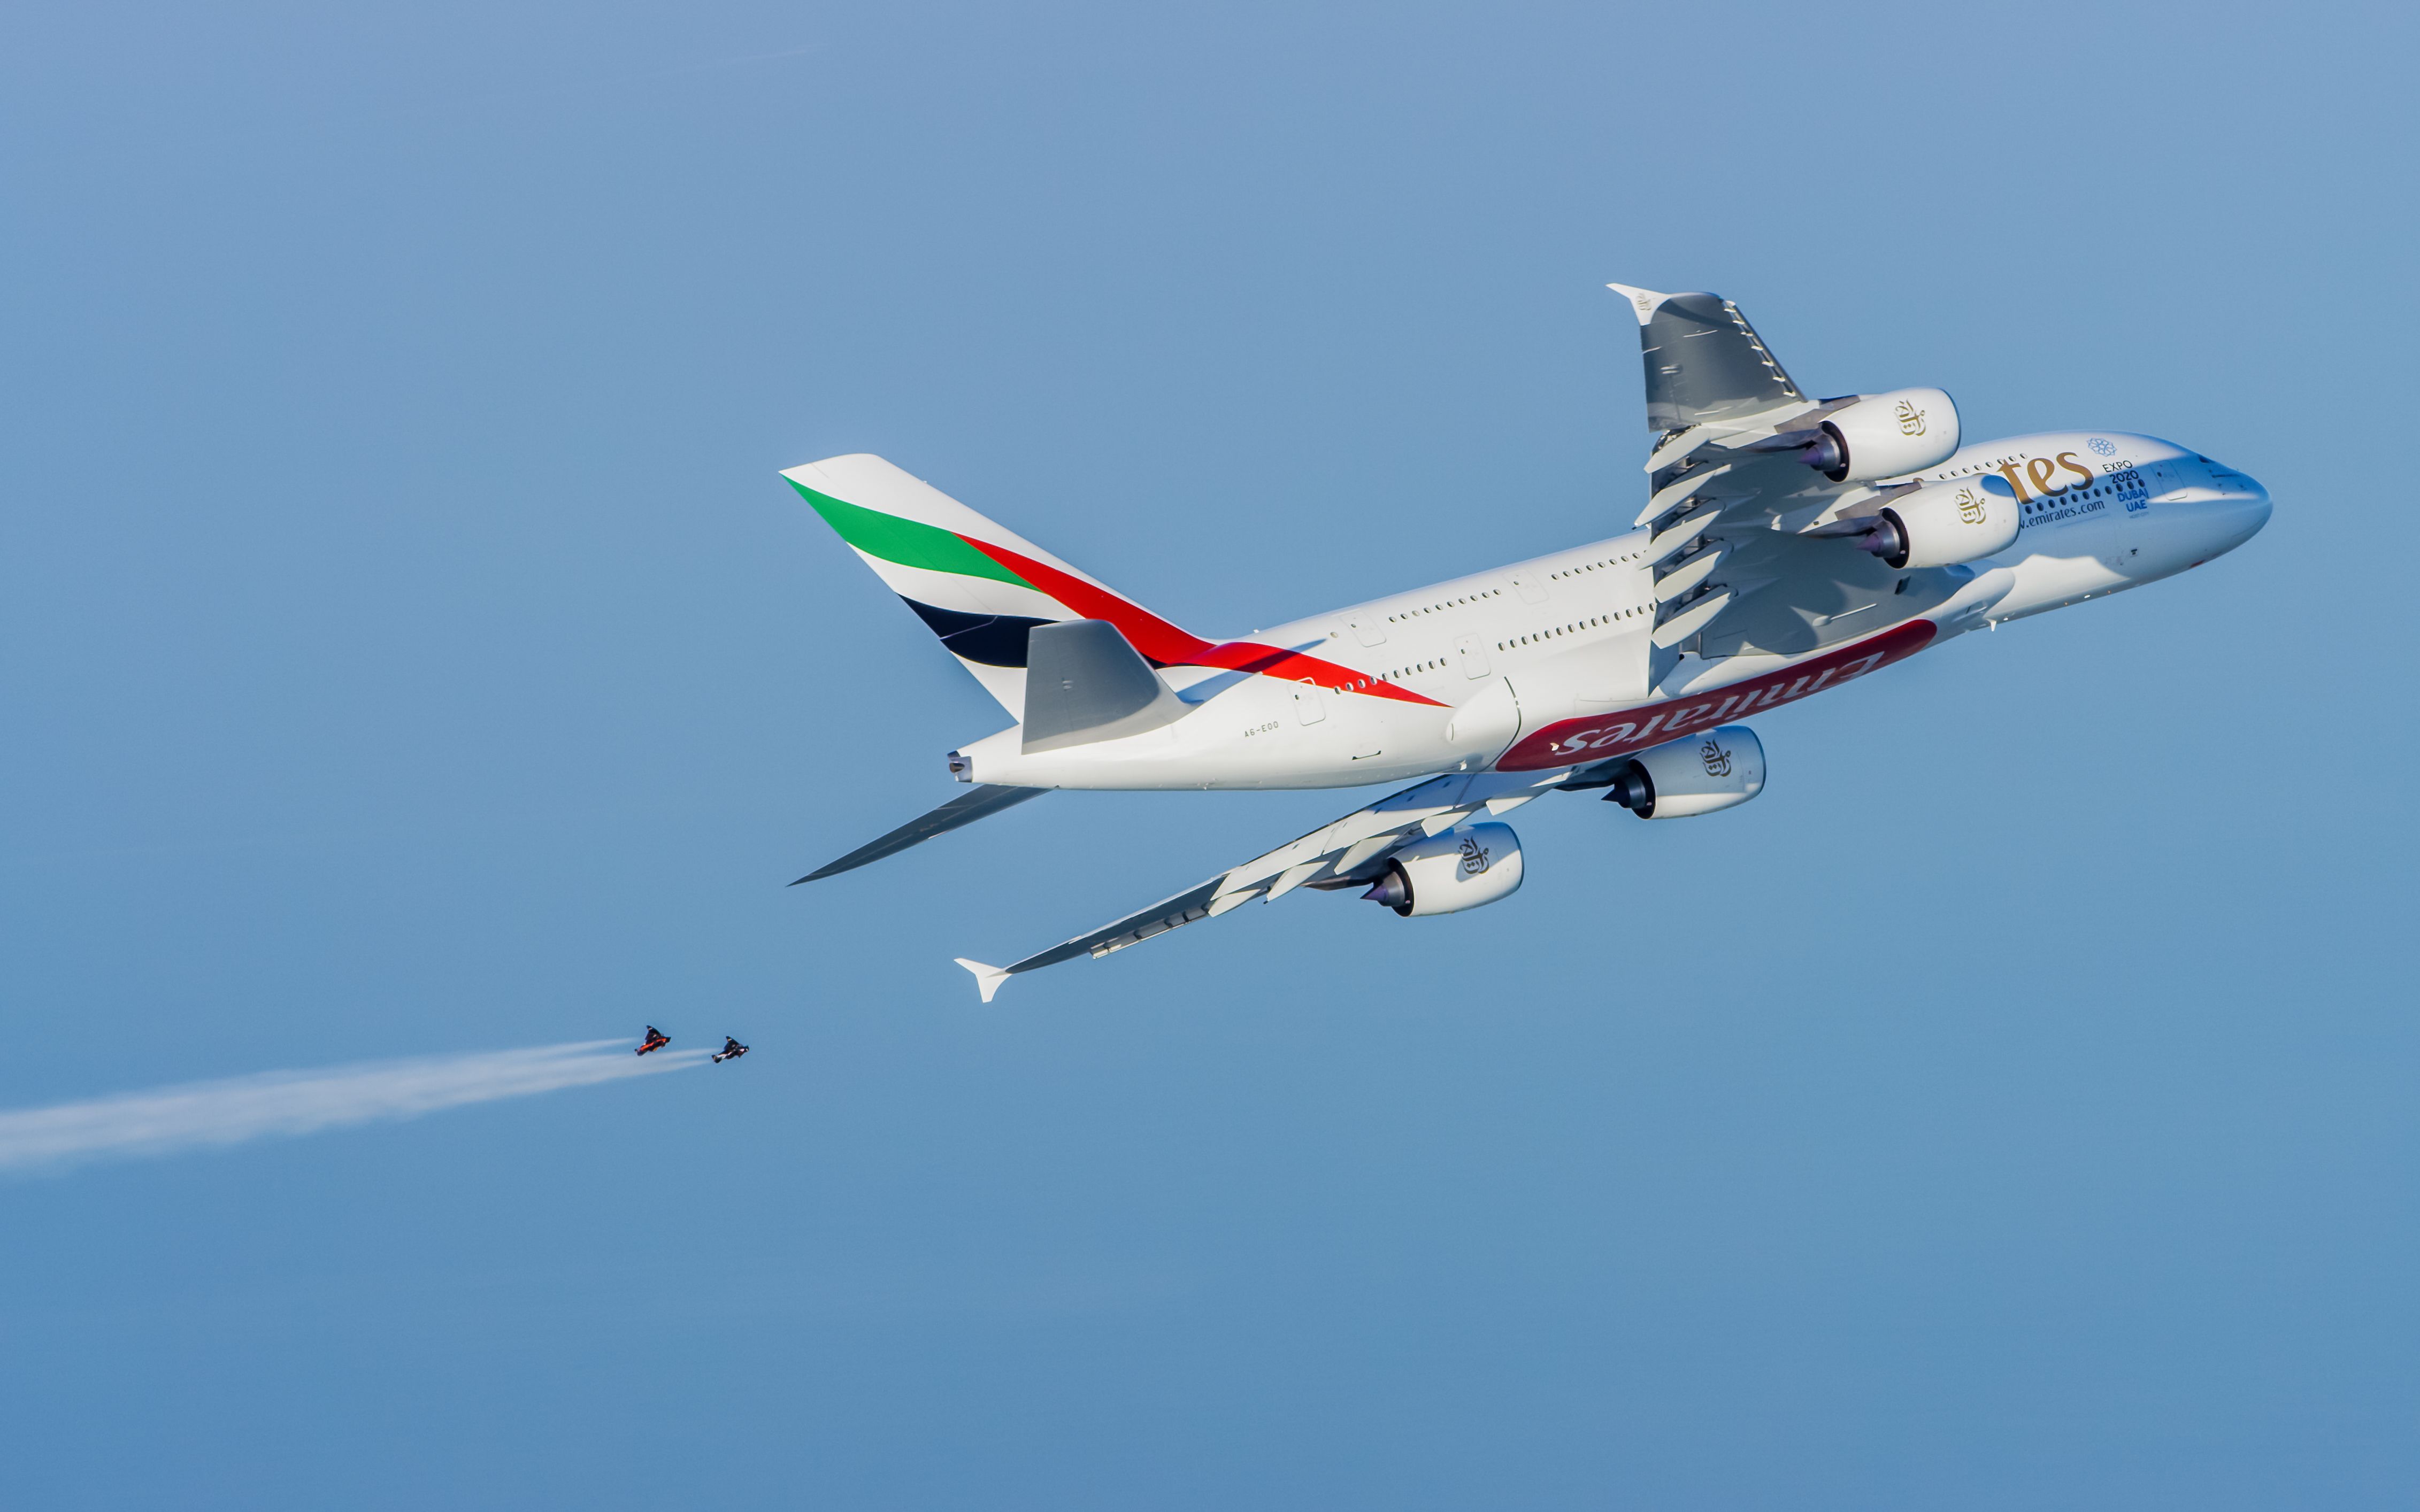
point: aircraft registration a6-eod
(1788, 546)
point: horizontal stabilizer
(963, 810)
(1084, 682)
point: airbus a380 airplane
(1788, 546)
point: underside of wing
(1763, 527)
(981, 803)
(1704, 362)
(1350, 852)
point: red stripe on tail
(1170, 646)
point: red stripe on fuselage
(1577, 742)
(1276, 661)
(1170, 646)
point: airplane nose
(2239, 515)
(2249, 514)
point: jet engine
(1446, 873)
(1721, 770)
(1884, 436)
(1942, 524)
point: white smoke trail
(303, 1102)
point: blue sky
(407, 648)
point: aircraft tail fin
(981, 587)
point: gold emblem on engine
(1970, 506)
(1911, 418)
(1719, 761)
(1474, 857)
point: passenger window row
(1451, 603)
(1573, 629)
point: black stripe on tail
(993, 639)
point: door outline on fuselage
(1473, 657)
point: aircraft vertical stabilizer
(981, 587)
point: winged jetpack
(1787, 546)
(656, 1040)
(731, 1050)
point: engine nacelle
(1942, 524)
(1886, 434)
(1721, 770)
(1446, 873)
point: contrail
(303, 1101)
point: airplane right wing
(980, 802)
(1350, 852)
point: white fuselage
(1555, 642)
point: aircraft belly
(1254, 736)
(1604, 675)
(2045, 583)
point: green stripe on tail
(906, 542)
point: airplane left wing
(1346, 852)
(1744, 528)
